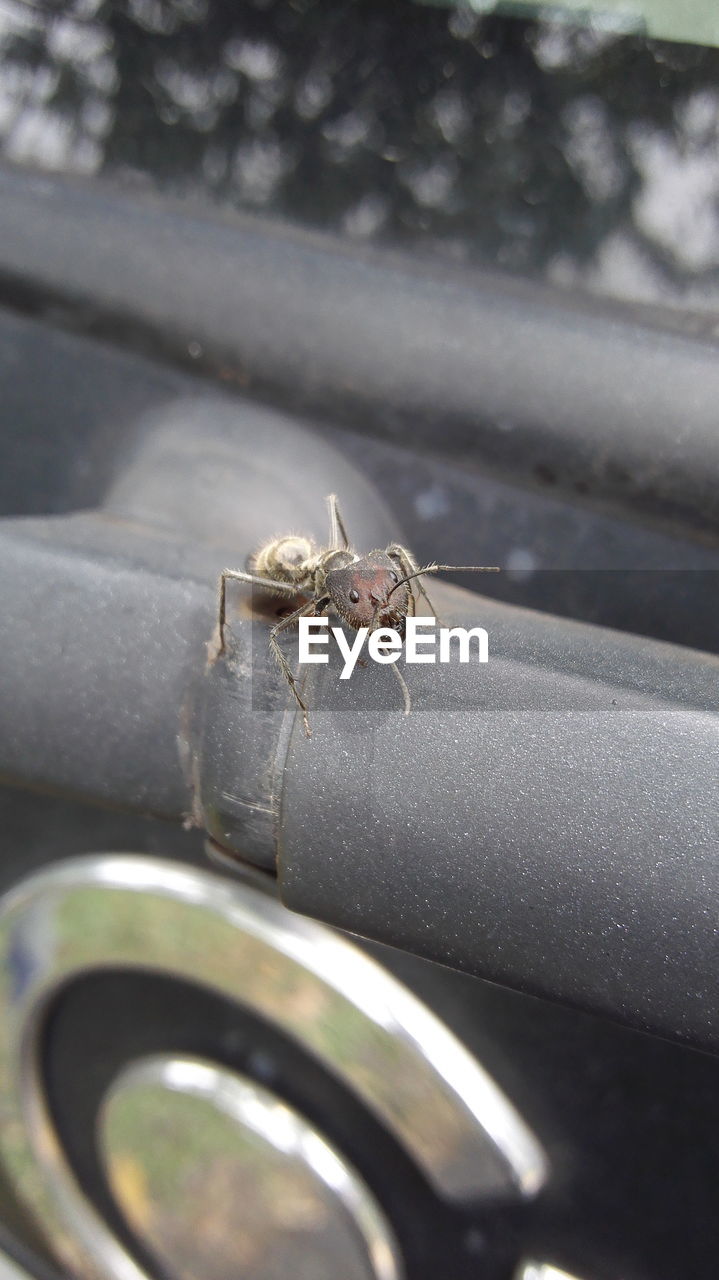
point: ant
(359, 589)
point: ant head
(361, 592)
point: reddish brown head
(361, 592)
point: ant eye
(393, 575)
(354, 595)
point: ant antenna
(446, 568)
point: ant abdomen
(285, 559)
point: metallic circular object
(359, 1023)
(264, 1195)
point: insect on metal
(378, 590)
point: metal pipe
(612, 402)
(550, 821)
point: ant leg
(338, 534)
(403, 686)
(284, 665)
(409, 565)
(238, 575)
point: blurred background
(564, 146)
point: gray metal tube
(100, 654)
(590, 398)
(105, 616)
(550, 822)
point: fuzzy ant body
(377, 590)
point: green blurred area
(686, 21)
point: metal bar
(553, 825)
(99, 655)
(602, 401)
(550, 821)
(555, 828)
(106, 617)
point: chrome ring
(361, 1024)
(280, 1129)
